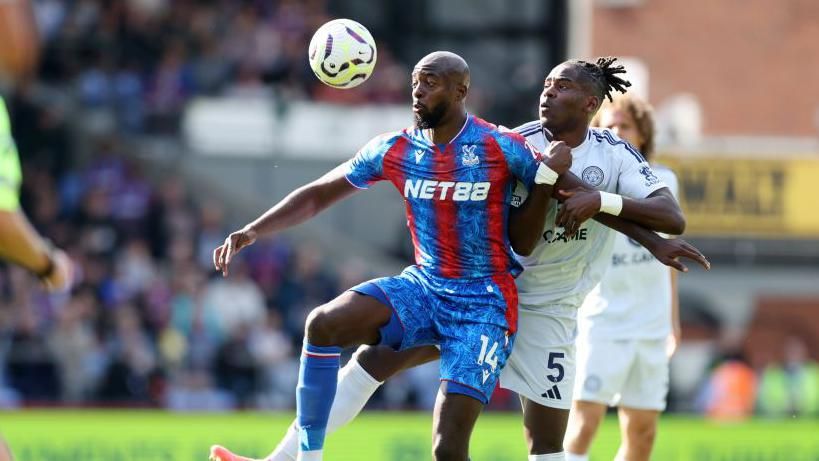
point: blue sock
(318, 376)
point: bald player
(457, 174)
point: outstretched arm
(667, 251)
(659, 211)
(296, 208)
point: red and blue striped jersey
(456, 195)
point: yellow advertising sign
(748, 197)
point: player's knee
(642, 434)
(363, 352)
(320, 328)
(379, 361)
(546, 443)
(582, 430)
(443, 451)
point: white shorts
(541, 365)
(631, 373)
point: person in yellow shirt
(19, 242)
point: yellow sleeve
(10, 174)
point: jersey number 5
(553, 365)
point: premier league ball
(342, 53)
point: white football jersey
(563, 270)
(634, 299)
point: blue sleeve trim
(605, 135)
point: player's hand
(559, 157)
(672, 342)
(668, 252)
(234, 242)
(62, 271)
(578, 206)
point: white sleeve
(637, 179)
(669, 178)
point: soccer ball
(342, 53)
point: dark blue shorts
(472, 321)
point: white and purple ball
(342, 53)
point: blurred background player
(629, 325)
(456, 173)
(560, 267)
(19, 243)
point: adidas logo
(553, 393)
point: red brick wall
(778, 317)
(753, 64)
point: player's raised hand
(668, 252)
(234, 242)
(579, 205)
(559, 157)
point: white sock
(312, 455)
(354, 389)
(548, 457)
(574, 457)
(288, 448)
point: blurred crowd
(149, 321)
(782, 384)
(141, 60)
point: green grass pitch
(43, 435)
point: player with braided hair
(603, 73)
(598, 80)
(566, 257)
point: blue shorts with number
(472, 321)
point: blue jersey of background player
(456, 173)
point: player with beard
(457, 174)
(563, 254)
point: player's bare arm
(667, 251)
(526, 221)
(659, 211)
(299, 206)
(20, 244)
